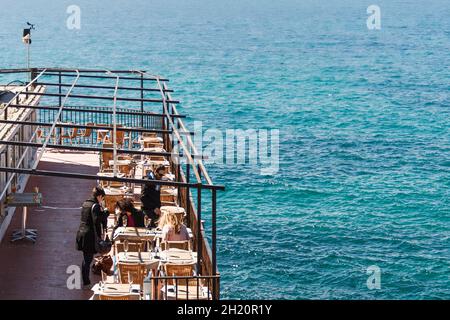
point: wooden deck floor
(38, 271)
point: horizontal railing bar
(103, 178)
(96, 149)
(84, 96)
(94, 71)
(24, 70)
(76, 109)
(91, 70)
(14, 70)
(102, 77)
(100, 87)
(79, 126)
(185, 277)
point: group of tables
(153, 261)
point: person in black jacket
(92, 216)
(135, 218)
(151, 196)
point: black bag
(102, 246)
(104, 263)
(79, 246)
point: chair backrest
(157, 158)
(120, 136)
(179, 270)
(124, 157)
(132, 246)
(149, 135)
(107, 155)
(168, 198)
(114, 297)
(110, 200)
(126, 170)
(183, 245)
(153, 145)
(137, 272)
(74, 133)
(87, 133)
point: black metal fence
(184, 288)
(99, 116)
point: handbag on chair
(103, 263)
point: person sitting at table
(173, 228)
(135, 217)
(151, 196)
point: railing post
(59, 105)
(199, 228)
(142, 102)
(188, 195)
(214, 243)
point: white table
(180, 293)
(117, 289)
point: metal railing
(166, 287)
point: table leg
(24, 233)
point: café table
(140, 234)
(183, 292)
(119, 289)
(151, 142)
(123, 166)
(120, 162)
(110, 174)
(153, 149)
(147, 163)
(169, 177)
(173, 209)
(135, 234)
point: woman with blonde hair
(173, 228)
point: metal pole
(24, 220)
(142, 102)
(28, 61)
(214, 244)
(60, 102)
(115, 128)
(199, 228)
(188, 198)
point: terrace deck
(38, 271)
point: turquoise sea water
(363, 117)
